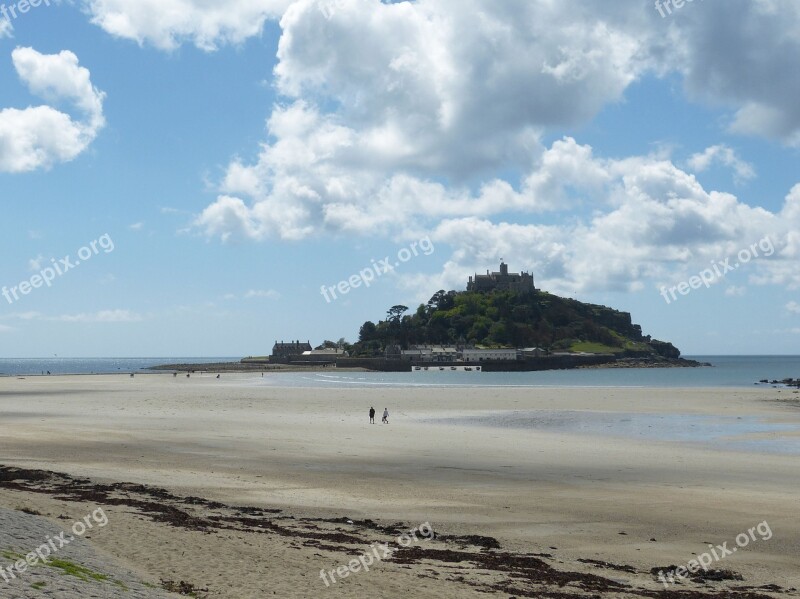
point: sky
(195, 178)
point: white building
(417, 355)
(481, 355)
(328, 352)
(533, 352)
(436, 353)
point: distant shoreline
(380, 365)
(246, 367)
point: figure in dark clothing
(372, 415)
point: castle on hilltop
(521, 282)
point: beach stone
(97, 576)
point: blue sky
(241, 156)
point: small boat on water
(477, 368)
(453, 368)
(441, 367)
(467, 369)
(417, 368)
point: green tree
(367, 332)
(395, 312)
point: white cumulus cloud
(168, 23)
(725, 156)
(40, 136)
(431, 116)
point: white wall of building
(479, 355)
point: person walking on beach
(385, 416)
(372, 415)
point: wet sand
(577, 501)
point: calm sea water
(727, 371)
(28, 366)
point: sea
(33, 366)
(725, 371)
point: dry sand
(633, 503)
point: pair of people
(385, 418)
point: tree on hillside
(367, 332)
(395, 312)
(504, 319)
(441, 300)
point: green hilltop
(502, 318)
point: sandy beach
(243, 490)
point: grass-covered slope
(505, 319)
